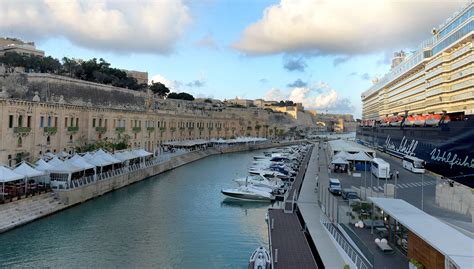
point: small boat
(433, 119)
(260, 181)
(260, 259)
(420, 120)
(250, 193)
(409, 121)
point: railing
(357, 258)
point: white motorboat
(250, 193)
(260, 181)
(260, 259)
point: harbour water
(178, 219)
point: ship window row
(469, 13)
(454, 37)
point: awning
(80, 162)
(65, 168)
(42, 165)
(55, 161)
(7, 175)
(96, 160)
(359, 156)
(26, 170)
(339, 161)
(141, 153)
(125, 156)
(106, 156)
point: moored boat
(260, 259)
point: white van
(380, 168)
(335, 186)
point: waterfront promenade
(312, 214)
(26, 210)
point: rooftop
(447, 240)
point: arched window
(19, 142)
(48, 140)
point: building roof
(7, 175)
(348, 146)
(26, 170)
(444, 238)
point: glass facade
(453, 37)
(452, 25)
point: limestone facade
(29, 129)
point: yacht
(260, 259)
(260, 181)
(250, 193)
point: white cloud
(207, 41)
(320, 97)
(173, 85)
(121, 26)
(344, 27)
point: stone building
(16, 45)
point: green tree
(159, 89)
(181, 96)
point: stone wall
(456, 197)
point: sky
(323, 53)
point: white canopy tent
(340, 161)
(61, 174)
(43, 166)
(55, 161)
(359, 156)
(30, 173)
(7, 175)
(106, 156)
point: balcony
(50, 130)
(100, 130)
(73, 129)
(136, 129)
(150, 129)
(22, 130)
(120, 129)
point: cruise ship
(424, 107)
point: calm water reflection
(178, 219)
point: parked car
(335, 186)
(348, 194)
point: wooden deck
(288, 243)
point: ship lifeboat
(433, 119)
(446, 119)
(385, 122)
(396, 121)
(420, 120)
(409, 121)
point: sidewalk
(311, 212)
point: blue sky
(223, 49)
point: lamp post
(395, 189)
(422, 191)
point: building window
(9, 160)
(20, 142)
(100, 122)
(77, 122)
(105, 123)
(28, 122)
(48, 140)
(49, 121)
(10, 121)
(55, 121)
(41, 121)
(20, 121)
(93, 122)
(65, 122)
(70, 138)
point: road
(409, 188)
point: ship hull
(447, 149)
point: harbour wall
(455, 197)
(21, 212)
